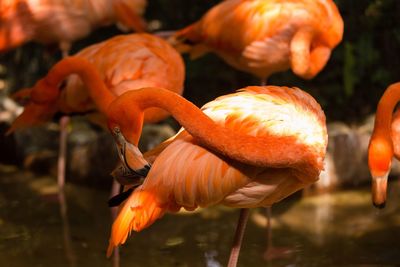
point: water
(341, 229)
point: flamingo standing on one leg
(384, 143)
(62, 21)
(248, 149)
(267, 36)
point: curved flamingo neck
(265, 151)
(383, 118)
(90, 76)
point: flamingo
(262, 37)
(248, 149)
(384, 143)
(63, 21)
(125, 62)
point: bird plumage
(267, 36)
(62, 21)
(188, 174)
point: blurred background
(335, 225)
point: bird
(124, 62)
(263, 37)
(247, 149)
(63, 21)
(384, 143)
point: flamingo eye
(116, 130)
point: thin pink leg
(61, 193)
(62, 155)
(269, 231)
(237, 241)
(69, 251)
(114, 212)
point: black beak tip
(143, 171)
(380, 206)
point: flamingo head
(380, 153)
(133, 168)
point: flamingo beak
(125, 176)
(379, 188)
(133, 167)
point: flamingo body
(188, 174)
(123, 63)
(267, 36)
(127, 62)
(60, 21)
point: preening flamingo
(384, 143)
(267, 36)
(63, 21)
(248, 149)
(125, 62)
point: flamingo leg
(272, 252)
(268, 212)
(62, 152)
(115, 190)
(269, 229)
(237, 241)
(69, 251)
(65, 47)
(64, 121)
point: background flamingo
(244, 151)
(267, 36)
(125, 62)
(384, 143)
(62, 21)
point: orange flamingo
(248, 149)
(125, 62)
(384, 143)
(62, 21)
(267, 36)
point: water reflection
(341, 229)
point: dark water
(341, 229)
